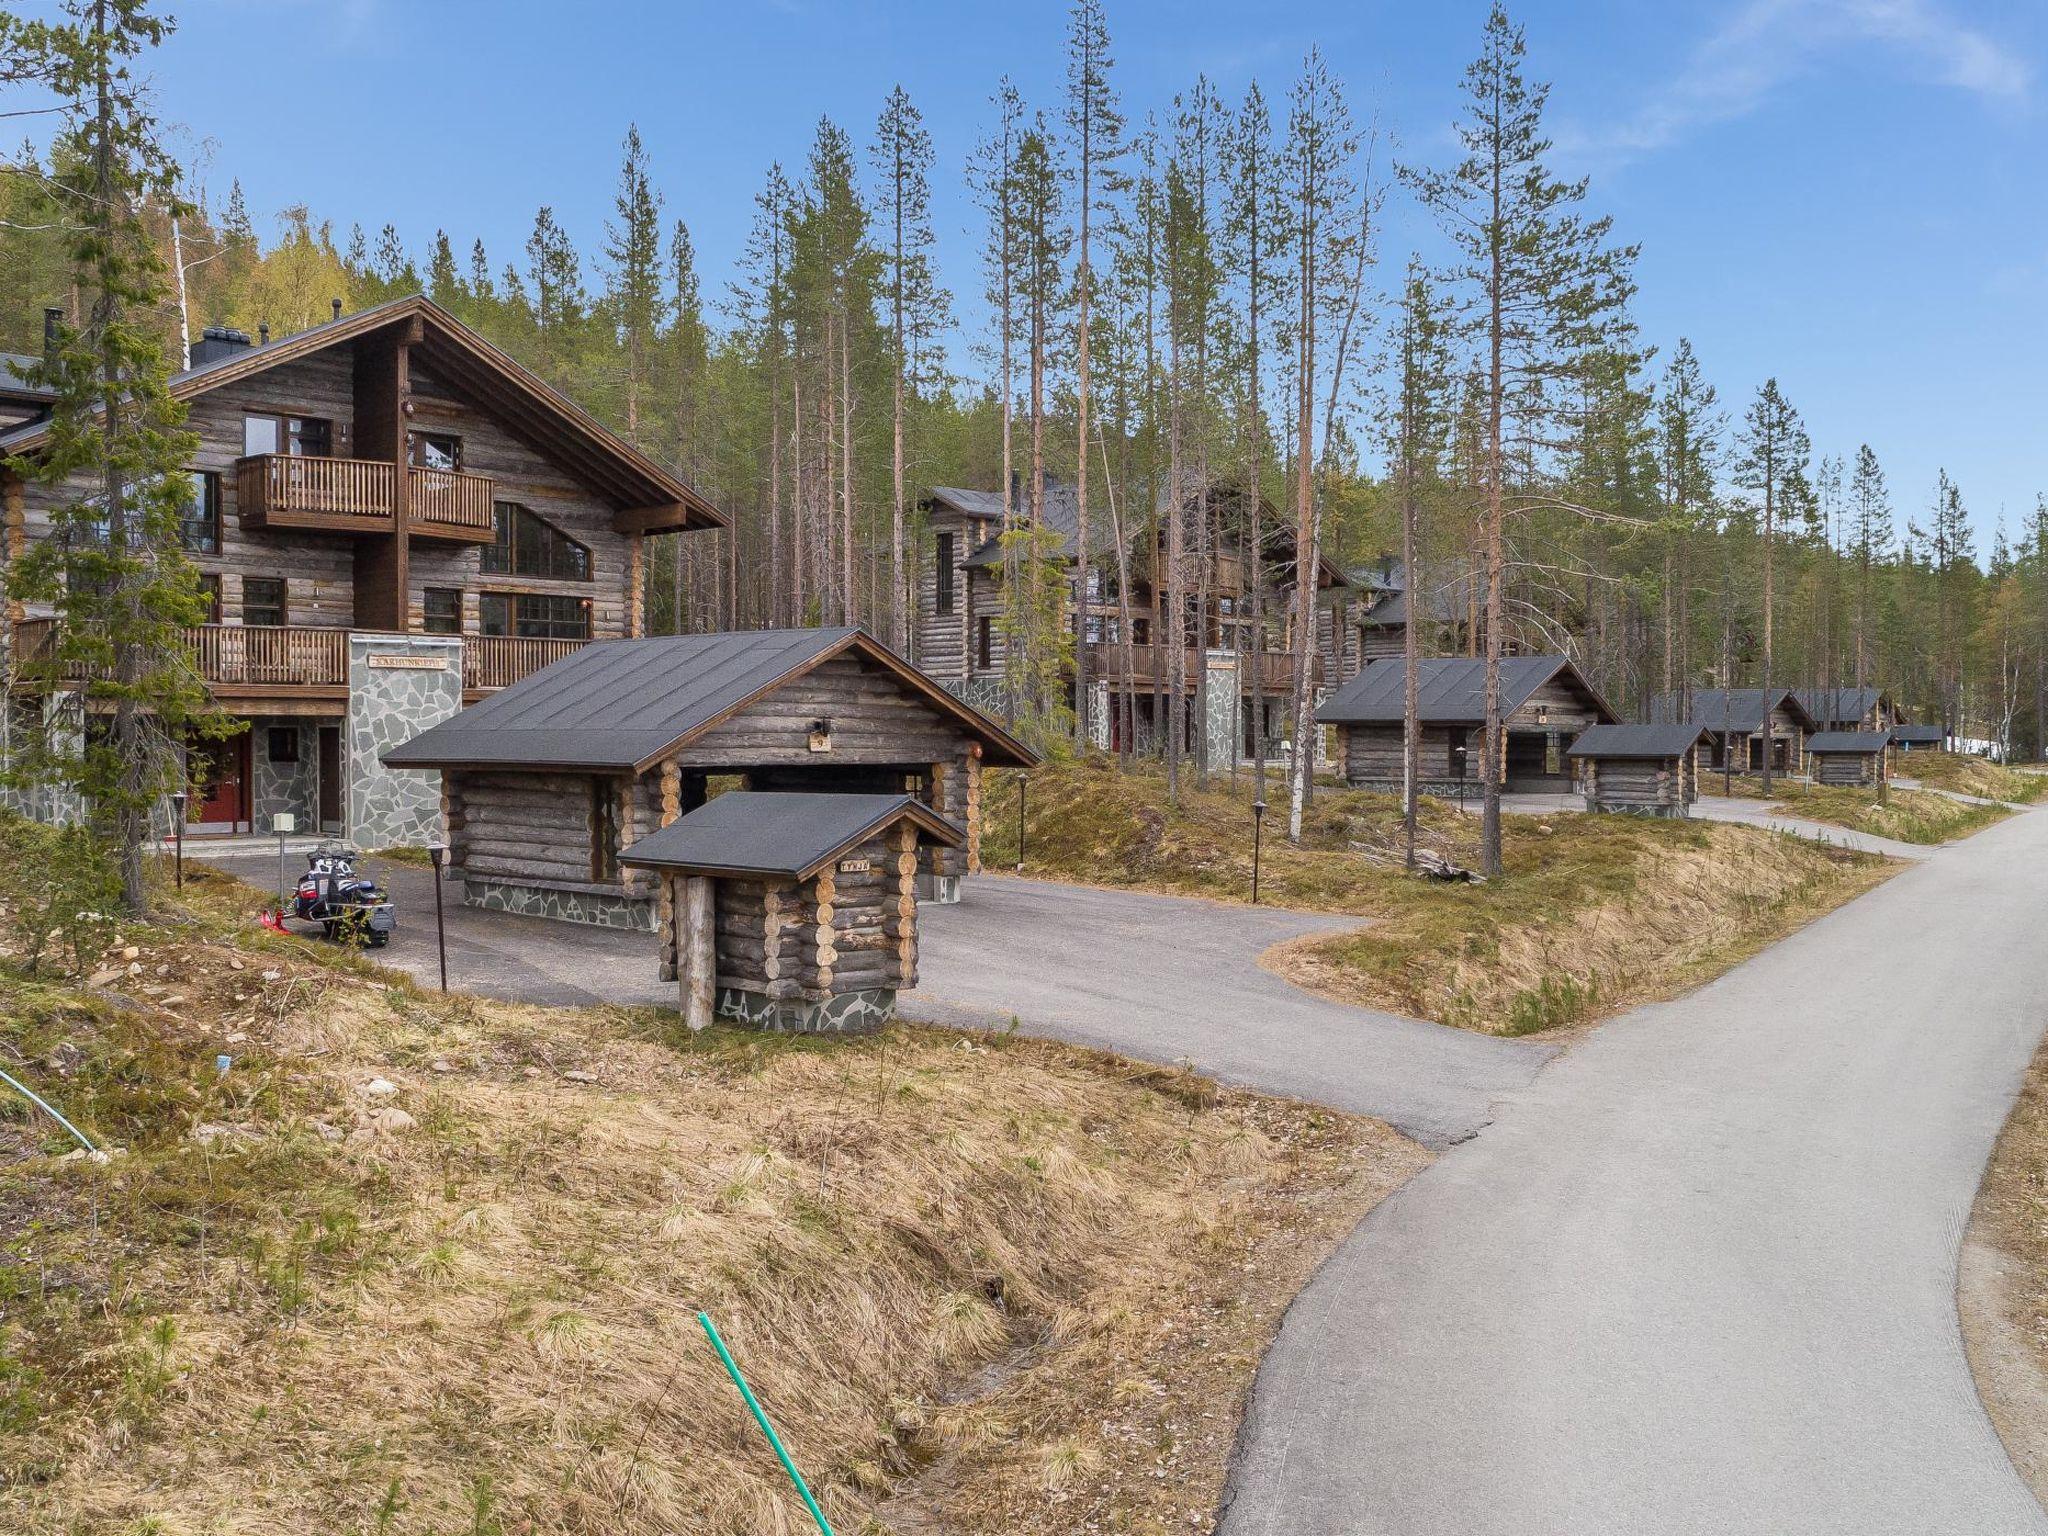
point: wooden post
(825, 953)
(775, 916)
(665, 902)
(636, 586)
(700, 951)
(900, 916)
(973, 809)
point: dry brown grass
(1594, 913)
(1967, 775)
(1012, 1278)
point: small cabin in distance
(1919, 738)
(1849, 708)
(1545, 703)
(1739, 723)
(1852, 758)
(1651, 770)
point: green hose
(802, 1488)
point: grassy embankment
(1963, 774)
(1595, 913)
(417, 1264)
(1903, 815)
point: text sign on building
(408, 663)
(855, 866)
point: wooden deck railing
(499, 661)
(283, 486)
(446, 498)
(1106, 662)
(246, 656)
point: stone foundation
(1669, 812)
(598, 909)
(850, 1013)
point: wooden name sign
(409, 663)
(855, 866)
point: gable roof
(1636, 741)
(1836, 706)
(1451, 690)
(1848, 742)
(626, 704)
(1732, 709)
(649, 497)
(14, 382)
(794, 835)
(1931, 731)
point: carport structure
(545, 783)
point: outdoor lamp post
(178, 799)
(438, 852)
(1258, 828)
(1020, 823)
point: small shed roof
(626, 704)
(1636, 741)
(1733, 709)
(1931, 733)
(1848, 743)
(793, 835)
(1451, 690)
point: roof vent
(217, 342)
(53, 321)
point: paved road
(1700, 1275)
(1157, 977)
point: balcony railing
(240, 658)
(282, 490)
(1150, 662)
(447, 504)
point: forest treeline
(1179, 293)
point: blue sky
(1847, 194)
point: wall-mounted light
(821, 735)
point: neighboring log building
(1849, 757)
(1545, 704)
(1652, 770)
(793, 911)
(545, 783)
(1739, 721)
(1849, 708)
(1919, 738)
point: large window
(263, 600)
(526, 545)
(309, 437)
(534, 615)
(436, 450)
(441, 611)
(199, 523)
(942, 575)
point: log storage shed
(544, 783)
(1849, 757)
(1919, 738)
(1544, 702)
(1652, 770)
(794, 912)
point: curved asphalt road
(1700, 1275)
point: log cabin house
(1919, 738)
(545, 782)
(1651, 770)
(959, 636)
(793, 911)
(1849, 708)
(1545, 705)
(1854, 758)
(391, 517)
(1739, 722)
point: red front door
(219, 772)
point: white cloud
(1767, 43)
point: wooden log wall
(1858, 769)
(1635, 783)
(875, 719)
(527, 828)
(844, 930)
(1372, 753)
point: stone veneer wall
(1221, 727)
(292, 788)
(848, 1013)
(597, 909)
(387, 706)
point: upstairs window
(441, 611)
(524, 544)
(435, 450)
(533, 615)
(263, 601)
(942, 575)
(310, 437)
(199, 522)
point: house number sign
(855, 866)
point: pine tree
(1251, 231)
(1775, 451)
(1545, 287)
(112, 568)
(1690, 424)
(992, 175)
(1041, 253)
(632, 250)
(1422, 427)
(1870, 545)
(559, 304)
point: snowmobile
(347, 906)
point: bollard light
(1258, 831)
(1020, 823)
(178, 801)
(438, 852)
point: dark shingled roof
(1730, 709)
(1848, 742)
(624, 704)
(13, 367)
(1451, 690)
(793, 835)
(1636, 741)
(1931, 732)
(1838, 706)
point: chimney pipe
(336, 304)
(263, 333)
(53, 317)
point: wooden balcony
(249, 663)
(1106, 662)
(281, 490)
